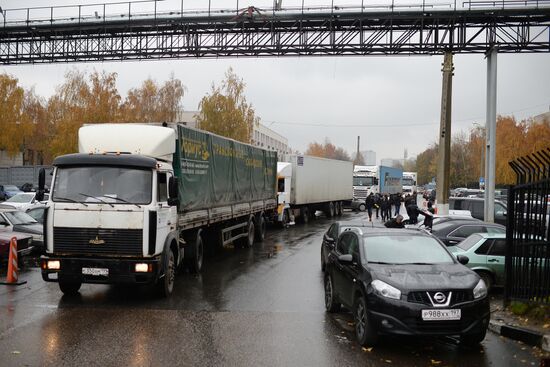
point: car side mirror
(346, 259)
(41, 184)
(330, 241)
(463, 259)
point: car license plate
(95, 271)
(435, 315)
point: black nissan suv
(404, 281)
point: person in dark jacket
(377, 202)
(369, 204)
(396, 202)
(385, 207)
(396, 222)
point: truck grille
(98, 241)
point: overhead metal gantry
(253, 32)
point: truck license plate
(431, 315)
(95, 271)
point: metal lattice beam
(354, 33)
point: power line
(390, 124)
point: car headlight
(385, 290)
(480, 290)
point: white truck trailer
(307, 184)
(137, 201)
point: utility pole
(490, 136)
(444, 153)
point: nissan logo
(439, 297)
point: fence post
(508, 269)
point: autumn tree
(327, 150)
(225, 110)
(12, 125)
(152, 102)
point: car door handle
(492, 261)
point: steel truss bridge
(98, 35)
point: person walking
(397, 203)
(369, 203)
(385, 208)
(377, 202)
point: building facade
(264, 137)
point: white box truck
(307, 184)
(138, 200)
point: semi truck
(140, 201)
(375, 180)
(409, 182)
(307, 184)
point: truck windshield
(408, 181)
(363, 181)
(107, 184)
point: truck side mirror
(173, 191)
(41, 184)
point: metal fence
(19, 175)
(528, 231)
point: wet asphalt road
(249, 307)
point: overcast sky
(393, 103)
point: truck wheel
(165, 285)
(261, 229)
(195, 253)
(286, 218)
(249, 240)
(70, 288)
(340, 209)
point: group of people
(382, 206)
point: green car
(486, 252)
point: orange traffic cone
(13, 270)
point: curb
(526, 336)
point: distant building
(369, 156)
(264, 137)
(189, 118)
(539, 119)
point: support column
(490, 136)
(444, 153)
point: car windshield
(405, 249)
(11, 188)
(17, 217)
(469, 242)
(363, 181)
(94, 184)
(21, 198)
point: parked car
(454, 231)
(405, 282)
(331, 235)
(24, 244)
(486, 253)
(13, 220)
(37, 212)
(475, 206)
(9, 191)
(24, 200)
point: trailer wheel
(249, 240)
(261, 228)
(196, 253)
(340, 209)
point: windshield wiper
(97, 198)
(418, 264)
(71, 200)
(120, 199)
(381, 263)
